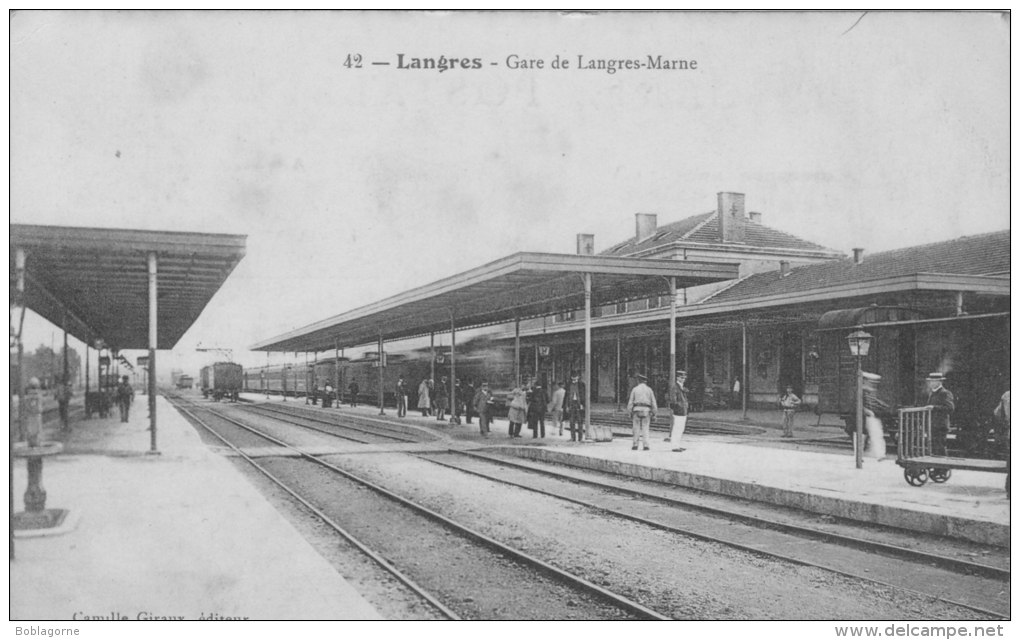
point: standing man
(469, 399)
(678, 404)
(789, 402)
(401, 397)
(125, 396)
(354, 389)
(1002, 413)
(940, 401)
(63, 397)
(556, 405)
(483, 405)
(327, 400)
(642, 408)
(441, 398)
(574, 407)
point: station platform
(749, 459)
(182, 534)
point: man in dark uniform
(468, 398)
(940, 401)
(401, 397)
(573, 406)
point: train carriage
(222, 380)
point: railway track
(538, 589)
(350, 432)
(964, 583)
(978, 587)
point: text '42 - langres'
(516, 62)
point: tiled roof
(663, 235)
(704, 228)
(986, 254)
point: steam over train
(476, 361)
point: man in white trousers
(678, 403)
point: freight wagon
(222, 380)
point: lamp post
(860, 343)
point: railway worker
(468, 398)
(63, 398)
(442, 398)
(327, 398)
(940, 401)
(401, 391)
(789, 402)
(1002, 413)
(458, 402)
(483, 404)
(678, 404)
(537, 402)
(556, 406)
(574, 407)
(642, 408)
(424, 401)
(354, 389)
(125, 396)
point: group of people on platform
(643, 408)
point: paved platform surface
(181, 534)
(814, 471)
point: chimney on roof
(645, 224)
(755, 216)
(784, 268)
(731, 216)
(585, 244)
(858, 255)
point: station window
(654, 302)
(564, 317)
(621, 307)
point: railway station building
(784, 321)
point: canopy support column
(672, 328)
(619, 397)
(152, 351)
(454, 414)
(382, 364)
(336, 370)
(744, 384)
(432, 352)
(66, 382)
(587, 355)
(517, 351)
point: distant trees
(48, 365)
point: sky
(354, 184)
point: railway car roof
(522, 285)
(100, 278)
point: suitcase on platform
(601, 434)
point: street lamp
(860, 343)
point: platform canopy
(95, 281)
(519, 286)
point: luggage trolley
(914, 452)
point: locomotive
(476, 361)
(222, 380)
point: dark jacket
(570, 403)
(482, 401)
(941, 401)
(677, 399)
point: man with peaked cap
(942, 405)
(678, 403)
(642, 408)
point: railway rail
(544, 585)
(975, 586)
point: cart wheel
(940, 475)
(916, 477)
